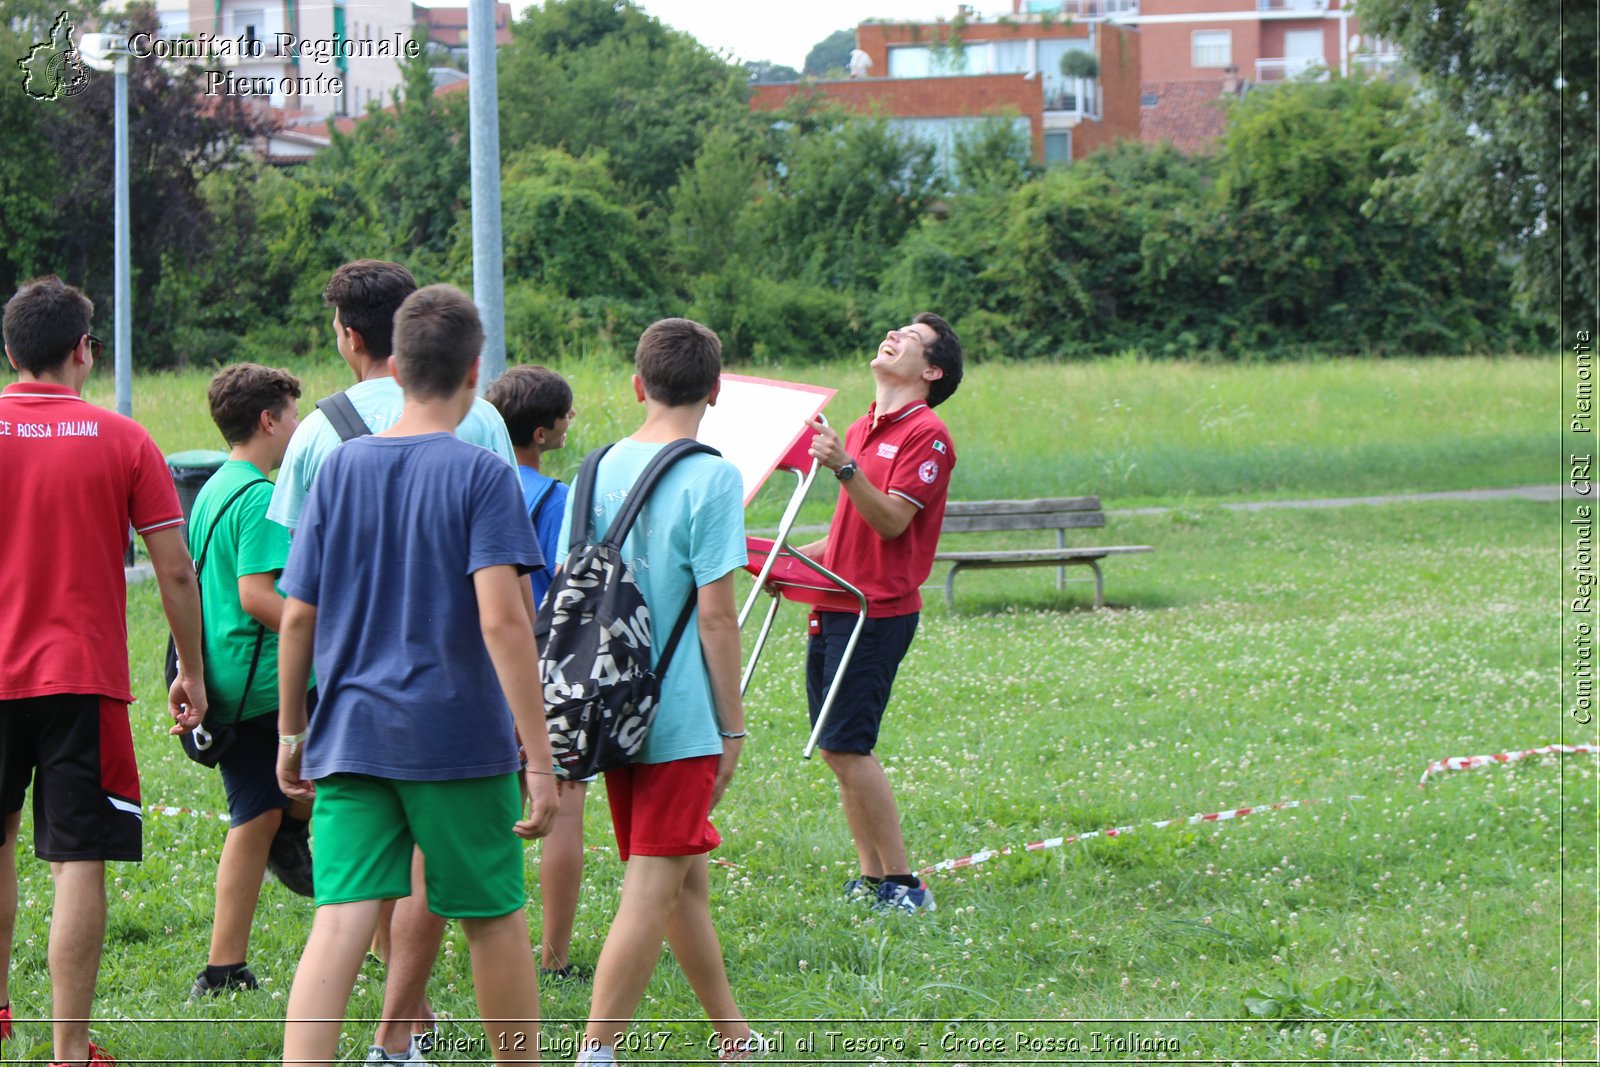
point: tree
(174, 146)
(602, 74)
(832, 53)
(1505, 135)
(762, 70)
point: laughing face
(903, 355)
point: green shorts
(365, 828)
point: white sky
(783, 31)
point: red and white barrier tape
(1466, 763)
(1118, 831)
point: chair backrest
(1052, 513)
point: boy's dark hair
(944, 353)
(44, 321)
(437, 335)
(529, 398)
(679, 361)
(240, 393)
(367, 293)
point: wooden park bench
(1059, 514)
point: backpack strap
(583, 500)
(343, 417)
(205, 545)
(261, 631)
(658, 466)
(538, 505)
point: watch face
(846, 472)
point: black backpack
(594, 634)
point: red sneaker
(96, 1055)
(5, 1023)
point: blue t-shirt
(386, 548)
(689, 534)
(550, 497)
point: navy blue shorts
(250, 767)
(858, 709)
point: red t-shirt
(907, 453)
(73, 477)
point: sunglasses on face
(96, 346)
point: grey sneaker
(376, 1054)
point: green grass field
(1253, 658)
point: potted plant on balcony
(1080, 64)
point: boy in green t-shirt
(241, 554)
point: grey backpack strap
(343, 416)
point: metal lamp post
(107, 51)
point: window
(1212, 48)
(909, 62)
(1057, 148)
(251, 27)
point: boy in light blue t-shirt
(687, 544)
(405, 580)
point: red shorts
(663, 809)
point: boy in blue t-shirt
(536, 404)
(687, 544)
(404, 583)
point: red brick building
(1164, 67)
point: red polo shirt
(907, 453)
(73, 478)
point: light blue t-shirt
(689, 534)
(549, 497)
(391, 536)
(378, 402)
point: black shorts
(858, 709)
(86, 789)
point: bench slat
(990, 523)
(1022, 507)
(1024, 556)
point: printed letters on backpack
(595, 634)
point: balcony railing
(1083, 10)
(1278, 70)
(1290, 5)
(1077, 96)
(1375, 63)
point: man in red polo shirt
(894, 472)
(74, 477)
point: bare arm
(887, 514)
(180, 599)
(719, 643)
(298, 624)
(504, 613)
(259, 597)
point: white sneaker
(754, 1047)
(376, 1054)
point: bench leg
(1099, 584)
(1061, 571)
(950, 586)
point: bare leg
(77, 933)
(650, 889)
(561, 877)
(340, 934)
(695, 946)
(8, 901)
(506, 979)
(870, 810)
(414, 940)
(380, 936)
(239, 873)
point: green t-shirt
(245, 542)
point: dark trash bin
(191, 470)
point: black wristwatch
(846, 472)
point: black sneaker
(289, 859)
(238, 979)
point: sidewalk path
(1549, 493)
